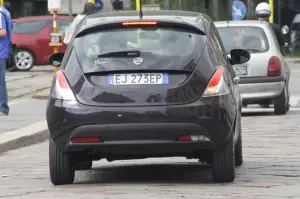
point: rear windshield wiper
(127, 53)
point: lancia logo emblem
(138, 60)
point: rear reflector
(135, 23)
(193, 138)
(86, 140)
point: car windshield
(159, 49)
(253, 39)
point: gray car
(264, 79)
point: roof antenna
(141, 10)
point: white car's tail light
(274, 67)
(217, 86)
(61, 89)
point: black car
(157, 86)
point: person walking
(6, 26)
(89, 9)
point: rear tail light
(136, 23)
(193, 138)
(274, 66)
(217, 86)
(85, 140)
(61, 89)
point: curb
(293, 60)
(29, 135)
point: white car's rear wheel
(281, 104)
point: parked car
(157, 87)
(32, 37)
(265, 78)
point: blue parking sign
(98, 5)
(238, 10)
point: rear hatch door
(144, 64)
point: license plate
(138, 78)
(241, 70)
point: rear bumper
(145, 131)
(261, 88)
(142, 139)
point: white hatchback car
(264, 79)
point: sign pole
(271, 3)
(137, 5)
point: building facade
(23, 8)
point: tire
(24, 60)
(86, 165)
(238, 150)
(281, 104)
(60, 165)
(223, 166)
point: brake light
(135, 23)
(216, 85)
(274, 66)
(86, 140)
(61, 89)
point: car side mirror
(238, 56)
(56, 59)
(285, 29)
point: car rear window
(29, 27)
(254, 39)
(161, 49)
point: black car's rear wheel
(223, 165)
(238, 150)
(60, 165)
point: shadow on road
(251, 114)
(154, 173)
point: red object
(274, 66)
(86, 140)
(27, 36)
(185, 138)
(62, 80)
(137, 23)
(215, 80)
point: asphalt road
(271, 168)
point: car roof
(192, 18)
(39, 18)
(256, 23)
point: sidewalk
(22, 114)
(26, 124)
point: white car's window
(253, 39)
